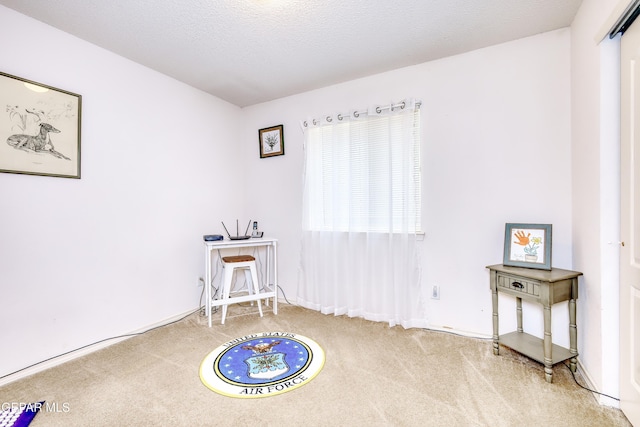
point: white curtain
(361, 215)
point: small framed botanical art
(41, 128)
(271, 141)
(528, 245)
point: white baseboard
(602, 400)
(74, 354)
(451, 330)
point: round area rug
(261, 365)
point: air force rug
(261, 365)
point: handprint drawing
(522, 239)
(530, 244)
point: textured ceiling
(252, 51)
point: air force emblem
(261, 365)
(265, 364)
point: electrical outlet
(435, 292)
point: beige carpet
(373, 376)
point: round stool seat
(238, 258)
(240, 262)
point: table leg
(548, 357)
(494, 303)
(207, 283)
(519, 314)
(573, 334)
(275, 278)
(265, 281)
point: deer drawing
(40, 142)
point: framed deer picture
(271, 141)
(39, 129)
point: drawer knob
(517, 285)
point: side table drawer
(519, 285)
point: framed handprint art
(527, 245)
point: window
(361, 211)
(362, 172)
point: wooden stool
(239, 262)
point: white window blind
(362, 173)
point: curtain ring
(329, 119)
(305, 123)
(339, 116)
(356, 114)
(378, 110)
(404, 104)
(314, 122)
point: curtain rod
(388, 107)
(357, 113)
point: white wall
(119, 249)
(82, 260)
(595, 157)
(496, 149)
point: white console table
(271, 271)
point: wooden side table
(545, 287)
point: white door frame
(610, 115)
(610, 218)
